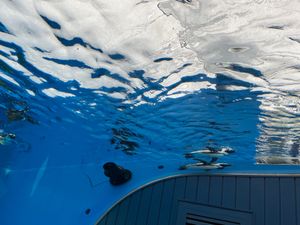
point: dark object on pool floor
(117, 174)
(87, 211)
(161, 167)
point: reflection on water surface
(142, 83)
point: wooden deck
(259, 199)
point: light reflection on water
(141, 83)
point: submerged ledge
(233, 193)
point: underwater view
(156, 87)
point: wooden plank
(229, 192)
(242, 193)
(297, 192)
(203, 189)
(166, 202)
(112, 215)
(144, 205)
(215, 193)
(297, 183)
(103, 221)
(257, 203)
(155, 203)
(272, 198)
(191, 188)
(179, 192)
(288, 201)
(133, 208)
(123, 211)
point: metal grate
(192, 213)
(193, 219)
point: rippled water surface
(140, 83)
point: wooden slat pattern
(166, 201)
(179, 192)
(297, 186)
(242, 200)
(123, 211)
(272, 200)
(228, 192)
(272, 204)
(103, 221)
(191, 188)
(112, 215)
(133, 209)
(288, 201)
(215, 191)
(203, 189)
(144, 205)
(257, 199)
(155, 204)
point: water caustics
(142, 83)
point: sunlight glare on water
(140, 83)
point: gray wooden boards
(234, 199)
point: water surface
(140, 83)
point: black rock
(117, 174)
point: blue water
(51, 172)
